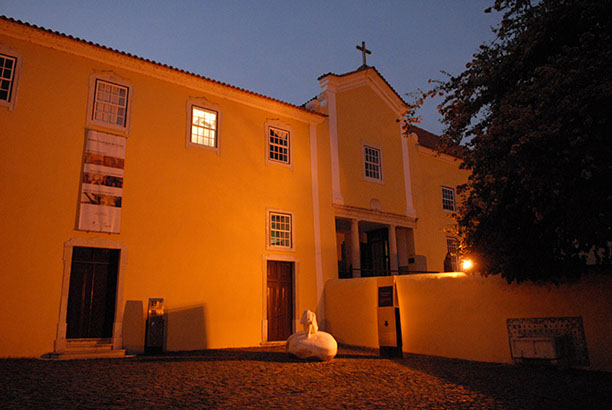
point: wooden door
(92, 293)
(280, 300)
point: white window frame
(452, 246)
(452, 191)
(282, 127)
(14, 88)
(269, 244)
(114, 79)
(206, 105)
(364, 146)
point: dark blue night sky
(279, 48)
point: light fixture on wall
(466, 265)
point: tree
(535, 107)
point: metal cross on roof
(364, 51)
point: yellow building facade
(124, 180)
(393, 194)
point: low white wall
(465, 316)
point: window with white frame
(279, 145)
(110, 103)
(372, 163)
(204, 126)
(448, 199)
(453, 250)
(11, 63)
(8, 68)
(280, 230)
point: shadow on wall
(185, 328)
(134, 327)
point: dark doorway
(92, 294)
(280, 300)
(375, 254)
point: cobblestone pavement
(268, 377)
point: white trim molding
(97, 242)
(329, 88)
(372, 79)
(410, 211)
(383, 218)
(314, 169)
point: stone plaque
(568, 329)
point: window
(280, 229)
(110, 103)
(204, 126)
(278, 145)
(110, 99)
(452, 249)
(372, 163)
(448, 199)
(8, 65)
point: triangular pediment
(364, 76)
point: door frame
(59, 344)
(264, 293)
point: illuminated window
(110, 103)
(448, 199)
(8, 67)
(204, 126)
(372, 161)
(452, 248)
(280, 230)
(278, 145)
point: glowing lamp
(466, 265)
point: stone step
(274, 343)
(71, 347)
(88, 344)
(87, 354)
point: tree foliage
(535, 108)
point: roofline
(312, 115)
(363, 68)
(420, 134)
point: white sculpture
(312, 343)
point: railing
(369, 273)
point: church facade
(125, 181)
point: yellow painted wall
(351, 311)
(465, 317)
(193, 221)
(364, 116)
(429, 172)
